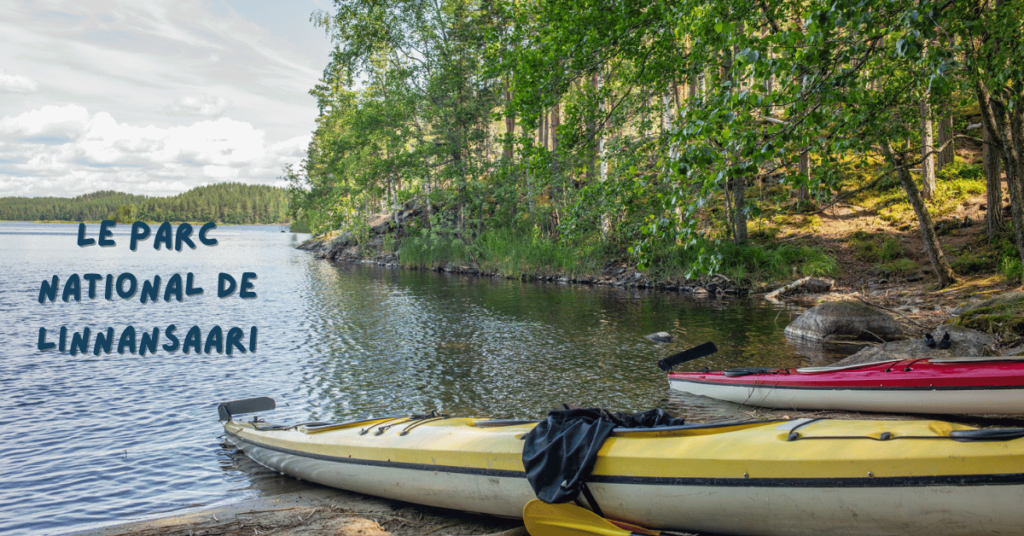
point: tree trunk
(924, 218)
(993, 176)
(556, 120)
(946, 141)
(1006, 129)
(927, 148)
(592, 130)
(544, 130)
(510, 124)
(804, 169)
(666, 114)
(739, 191)
(606, 222)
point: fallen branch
(773, 295)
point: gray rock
(382, 228)
(845, 321)
(817, 285)
(660, 336)
(964, 343)
(338, 245)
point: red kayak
(946, 386)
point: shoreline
(314, 511)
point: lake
(98, 439)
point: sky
(154, 97)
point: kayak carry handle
(987, 434)
(696, 352)
(249, 405)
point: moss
(1002, 315)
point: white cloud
(69, 121)
(17, 84)
(74, 151)
(167, 94)
(207, 105)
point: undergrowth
(751, 263)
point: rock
(964, 343)
(1002, 315)
(382, 228)
(817, 286)
(914, 276)
(660, 336)
(338, 245)
(1014, 351)
(845, 321)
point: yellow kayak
(805, 476)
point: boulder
(845, 321)
(660, 336)
(338, 245)
(1002, 315)
(963, 343)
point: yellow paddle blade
(543, 519)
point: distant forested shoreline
(224, 203)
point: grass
(527, 251)
(431, 249)
(899, 267)
(522, 252)
(1011, 268)
(875, 247)
(510, 252)
(752, 263)
(955, 184)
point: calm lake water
(92, 440)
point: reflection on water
(118, 436)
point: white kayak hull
(888, 400)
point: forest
(673, 133)
(222, 203)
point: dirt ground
(318, 511)
(919, 305)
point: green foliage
(521, 252)
(962, 170)
(126, 214)
(975, 264)
(750, 263)
(224, 203)
(299, 226)
(878, 247)
(388, 244)
(1011, 268)
(899, 267)
(434, 247)
(552, 129)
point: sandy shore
(317, 511)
